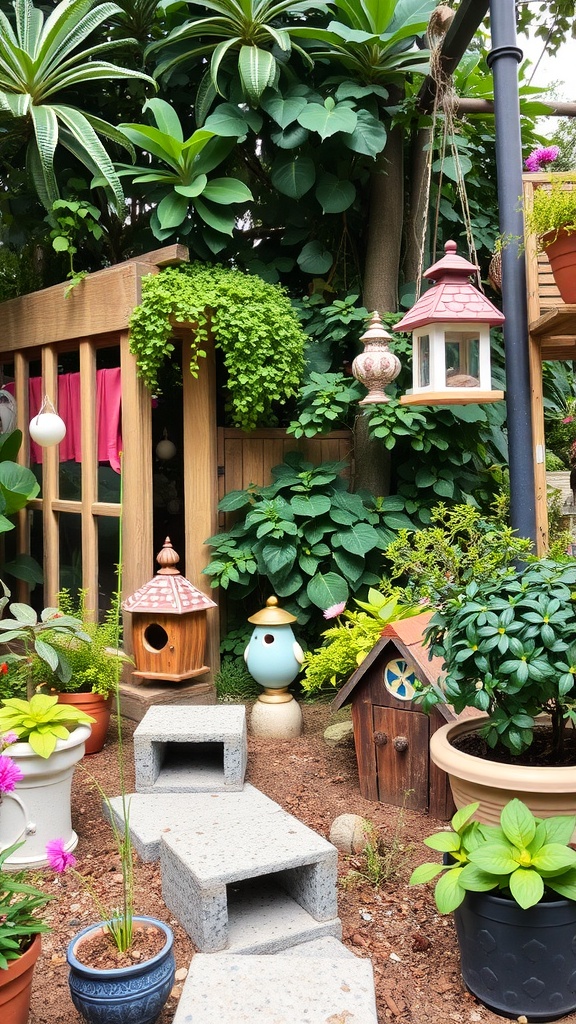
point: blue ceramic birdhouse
(273, 656)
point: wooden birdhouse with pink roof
(450, 325)
(168, 623)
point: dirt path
(412, 948)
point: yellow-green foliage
(554, 208)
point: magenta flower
(540, 157)
(58, 858)
(10, 774)
(334, 610)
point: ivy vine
(251, 321)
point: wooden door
(401, 749)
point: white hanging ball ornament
(165, 449)
(47, 429)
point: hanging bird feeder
(450, 325)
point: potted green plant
(512, 889)
(509, 649)
(93, 666)
(552, 219)
(47, 740)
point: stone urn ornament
(376, 366)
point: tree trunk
(371, 458)
(417, 213)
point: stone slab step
(277, 990)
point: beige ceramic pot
(546, 791)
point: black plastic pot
(519, 962)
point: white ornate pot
(546, 791)
(38, 809)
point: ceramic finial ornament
(273, 658)
(376, 366)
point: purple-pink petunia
(335, 610)
(58, 858)
(540, 157)
(8, 739)
(10, 774)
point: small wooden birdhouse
(168, 623)
(450, 325)
(391, 732)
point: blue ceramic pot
(124, 995)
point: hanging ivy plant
(252, 322)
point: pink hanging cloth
(108, 411)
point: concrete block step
(182, 748)
(206, 865)
(296, 989)
(153, 815)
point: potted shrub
(46, 741)
(512, 889)
(92, 666)
(553, 220)
(509, 649)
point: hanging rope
(445, 98)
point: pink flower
(58, 858)
(334, 610)
(8, 739)
(568, 419)
(540, 157)
(10, 774)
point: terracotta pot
(546, 791)
(98, 707)
(122, 995)
(16, 985)
(561, 254)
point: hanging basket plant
(251, 321)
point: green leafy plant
(251, 321)
(305, 535)
(509, 648)
(40, 58)
(525, 858)
(29, 638)
(19, 906)
(94, 663)
(181, 186)
(347, 644)
(40, 721)
(553, 210)
(17, 486)
(253, 34)
(324, 404)
(73, 220)
(459, 546)
(234, 682)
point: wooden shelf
(555, 330)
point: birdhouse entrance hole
(155, 637)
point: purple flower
(540, 157)
(10, 774)
(58, 858)
(334, 610)
(8, 739)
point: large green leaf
(328, 119)
(293, 175)
(358, 540)
(172, 210)
(315, 259)
(227, 190)
(334, 194)
(368, 137)
(311, 507)
(283, 111)
(257, 70)
(17, 485)
(327, 589)
(227, 120)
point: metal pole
(503, 60)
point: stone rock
(350, 833)
(339, 734)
